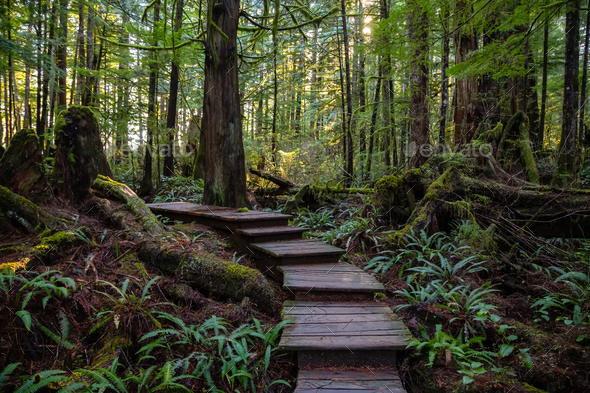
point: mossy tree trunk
(21, 167)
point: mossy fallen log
(211, 275)
(23, 213)
(292, 204)
(109, 188)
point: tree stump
(21, 166)
(79, 155)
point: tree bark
(419, 84)
(225, 173)
(349, 145)
(173, 100)
(444, 89)
(62, 54)
(81, 53)
(374, 120)
(466, 88)
(583, 98)
(567, 145)
(541, 134)
(146, 186)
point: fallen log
(282, 183)
(210, 275)
(19, 211)
(109, 188)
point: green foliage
(5, 373)
(320, 219)
(180, 189)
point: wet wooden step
(320, 381)
(340, 277)
(295, 252)
(218, 217)
(354, 326)
(270, 234)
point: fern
(6, 373)
(44, 378)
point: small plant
(321, 218)
(444, 270)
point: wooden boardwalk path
(336, 325)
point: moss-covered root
(294, 203)
(23, 212)
(424, 216)
(119, 191)
(211, 275)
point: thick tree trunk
(444, 87)
(62, 54)
(81, 53)
(419, 84)
(583, 98)
(348, 136)
(541, 134)
(152, 121)
(173, 100)
(567, 145)
(225, 174)
(466, 110)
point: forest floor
(84, 307)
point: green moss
(481, 198)
(243, 210)
(110, 350)
(53, 242)
(380, 296)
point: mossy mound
(21, 166)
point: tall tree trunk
(342, 99)
(544, 82)
(225, 174)
(361, 87)
(583, 98)
(444, 87)
(374, 120)
(27, 103)
(62, 54)
(419, 83)
(566, 159)
(42, 126)
(273, 136)
(146, 186)
(88, 89)
(532, 102)
(173, 100)
(350, 146)
(466, 110)
(81, 53)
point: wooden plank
(349, 310)
(342, 328)
(352, 342)
(373, 390)
(327, 318)
(372, 375)
(296, 248)
(336, 286)
(323, 384)
(271, 230)
(334, 278)
(305, 303)
(322, 268)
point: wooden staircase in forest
(345, 342)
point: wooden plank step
(269, 234)
(297, 248)
(218, 217)
(329, 326)
(321, 381)
(338, 277)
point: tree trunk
(27, 120)
(541, 134)
(225, 173)
(566, 159)
(88, 90)
(342, 98)
(62, 54)
(173, 100)
(466, 88)
(146, 186)
(444, 89)
(419, 83)
(374, 120)
(273, 137)
(350, 146)
(81, 53)
(583, 98)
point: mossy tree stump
(79, 155)
(21, 167)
